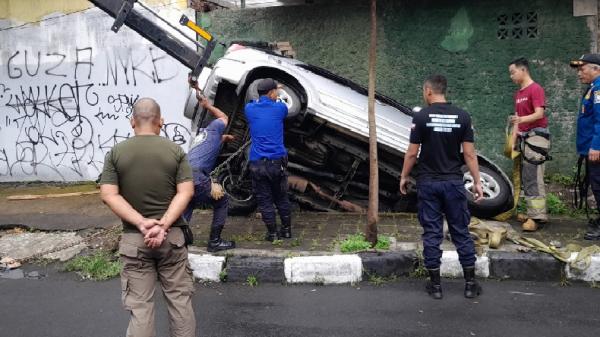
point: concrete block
(265, 269)
(451, 266)
(323, 269)
(26, 245)
(206, 267)
(531, 266)
(589, 274)
(388, 263)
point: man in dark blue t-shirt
(202, 157)
(441, 132)
(268, 158)
(588, 133)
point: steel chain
(215, 173)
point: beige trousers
(534, 189)
(142, 267)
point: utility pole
(373, 211)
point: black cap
(266, 85)
(585, 59)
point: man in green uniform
(147, 182)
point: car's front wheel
(497, 194)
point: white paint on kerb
(206, 267)
(589, 274)
(451, 265)
(323, 269)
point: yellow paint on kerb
(35, 10)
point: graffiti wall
(67, 86)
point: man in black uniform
(440, 131)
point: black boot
(592, 234)
(286, 227)
(215, 243)
(472, 288)
(434, 286)
(593, 224)
(272, 233)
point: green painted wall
(455, 38)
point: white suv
(326, 136)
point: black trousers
(270, 185)
(593, 172)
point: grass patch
(521, 206)
(564, 282)
(223, 276)
(296, 243)
(358, 242)
(561, 179)
(252, 281)
(383, 242)
(555, 205)
(420, 271)
(377, 280)
(248, 237)
(98, 267)
(314, 244)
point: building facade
(471, 42)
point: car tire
(288, 95)
(497, 193)
(191, 105)
(241, 202)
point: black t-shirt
(441, 129)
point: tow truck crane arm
(126, 13)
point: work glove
(216, 190)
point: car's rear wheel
(497, 195)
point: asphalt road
(60, 305)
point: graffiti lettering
(13, 72)
(58, 64)
(62, 111)
(87, 63)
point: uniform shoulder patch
(597, 97)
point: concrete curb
(451, 265)
(264, 269)
(206, 267)
(589, 274)
(334, 269)
(352, 268)
(524, 266)
(388, 264)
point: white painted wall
(66, 89)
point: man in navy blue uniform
(442, 131)
(588, 129)
(268, 158)
(202, 157)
